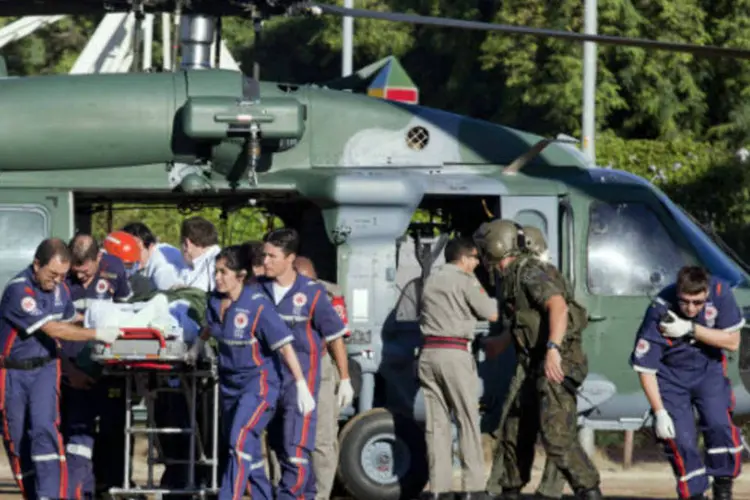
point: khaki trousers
(450, 383)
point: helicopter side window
(627, 243)
(23, 228)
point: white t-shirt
(279, 292)
(202, 273)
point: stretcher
(152, 361)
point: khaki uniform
(325, 456)
(527, 285)
(451, 301)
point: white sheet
(152, 314)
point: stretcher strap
(144, 334)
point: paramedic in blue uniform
(161, 263)
(251, 336)
(303, 304)
(36, 312)
(93, 275)
(679, 357)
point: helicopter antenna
(701, 50)
(520, 162)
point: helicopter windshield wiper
(702, 50)
(714, 236)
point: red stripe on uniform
(256, 346)
(15, 459)
(736, 439)
(240, 445)
(61, 446)
(311, 385)
(680, 464)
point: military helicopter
(349, 172)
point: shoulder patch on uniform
(641, 348)
(299, 299)
(28, 304)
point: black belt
(24, 364)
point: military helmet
(534, 240)
(499, 239)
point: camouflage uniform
(527, 284)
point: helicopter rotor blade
(700, 50)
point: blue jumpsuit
(314, 321)
(691, 374)
(249, 378)
(30, 386)
(81, 407)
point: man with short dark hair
(200, 246)
(680, 360)
(36, 310)
(302, 304)
(452, 301)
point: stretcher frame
(163, 365)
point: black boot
(510, 494)
(590, 494)
(722, 488)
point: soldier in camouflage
(545, 325)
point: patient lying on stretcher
(174, 319)
(177, 314)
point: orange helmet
(124, 246)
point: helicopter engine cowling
(64, 122)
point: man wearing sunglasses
(679, 357)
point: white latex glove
(195, 351)
(305, 401)
(107, 334)
(664, 427)
(345, 393)
(677, 328)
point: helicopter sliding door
(27, 216)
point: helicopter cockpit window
(23, 228)
(627, 244)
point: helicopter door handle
(595, 318)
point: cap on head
(499, 239)
(124, 246)
(534, 240)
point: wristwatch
(552, 345)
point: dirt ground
(649, 478)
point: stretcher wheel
(382, 455)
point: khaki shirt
(332, 289)
(451, 302)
